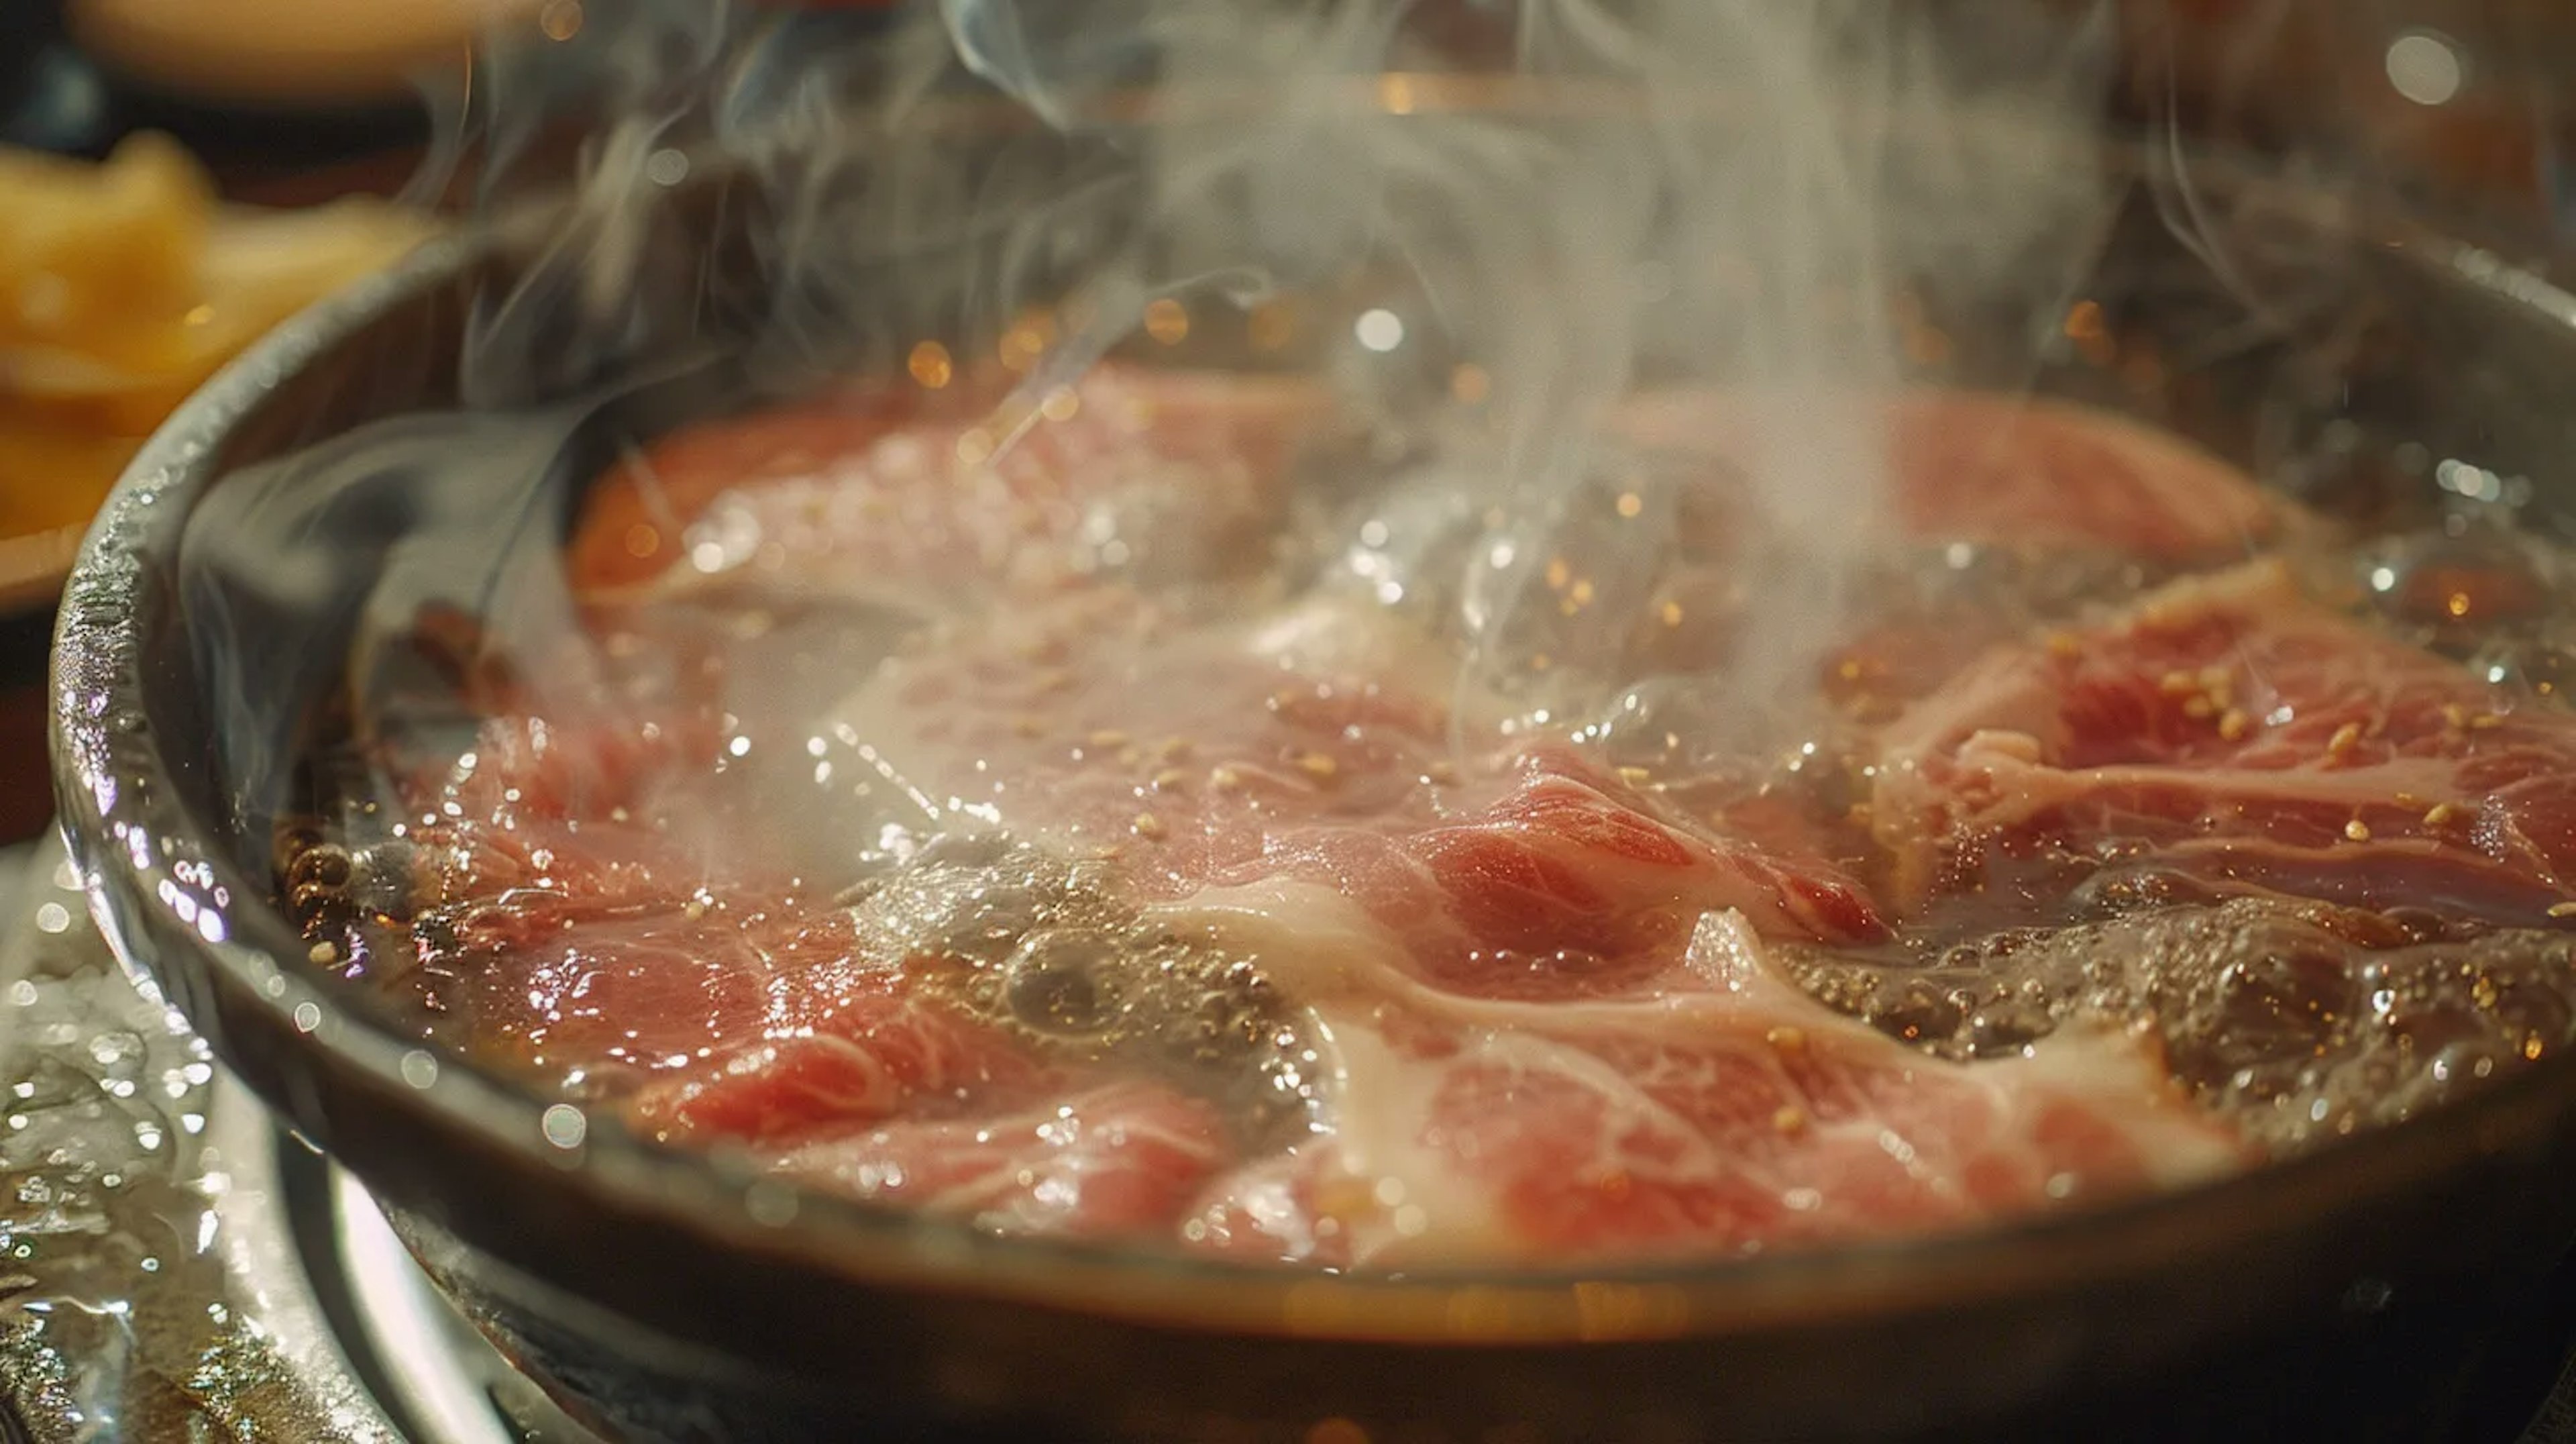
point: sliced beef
(2013, 471)
(1117, 1161)
(971, 975)
(605, 953)
(1109, 722)
(1562, 885)
(2230, 731)
(928, 499)
(899, 1027)
(1108, 908)
(1718, 1112)
(1996, 514)
(1321, 744)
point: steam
(1751, 187)
(1576, 200)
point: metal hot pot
(667, 1295)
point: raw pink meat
(1106, 721)
(869, 1055)
(596, 950)
(1310, 747)
(1114, 1161)
(1719, 1112)
(1560, 886)
(2229, 729)
(2017, 471)
(1523, 993)
(1609, 1099)
(888, 493)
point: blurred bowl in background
(294, 53)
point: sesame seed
(2438, 815)
(1173, 749)
(1441, 771)
(1789, 1118)
(2485, 720)
(2234, 724)
(2345, 738)
(2357, 830)
(2178, 684)
(2454, 716)
(2197, 707)
(2562, 910)
(1225, 779)
(1318, 766)
(324, 952)
(1148, 826)
(1108, 738)
(2214, 677)
(1785, 1038)
(1634, 776)
(1170, 779)
(2064, 644)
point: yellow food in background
(123, 286)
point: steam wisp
(1718, 196)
